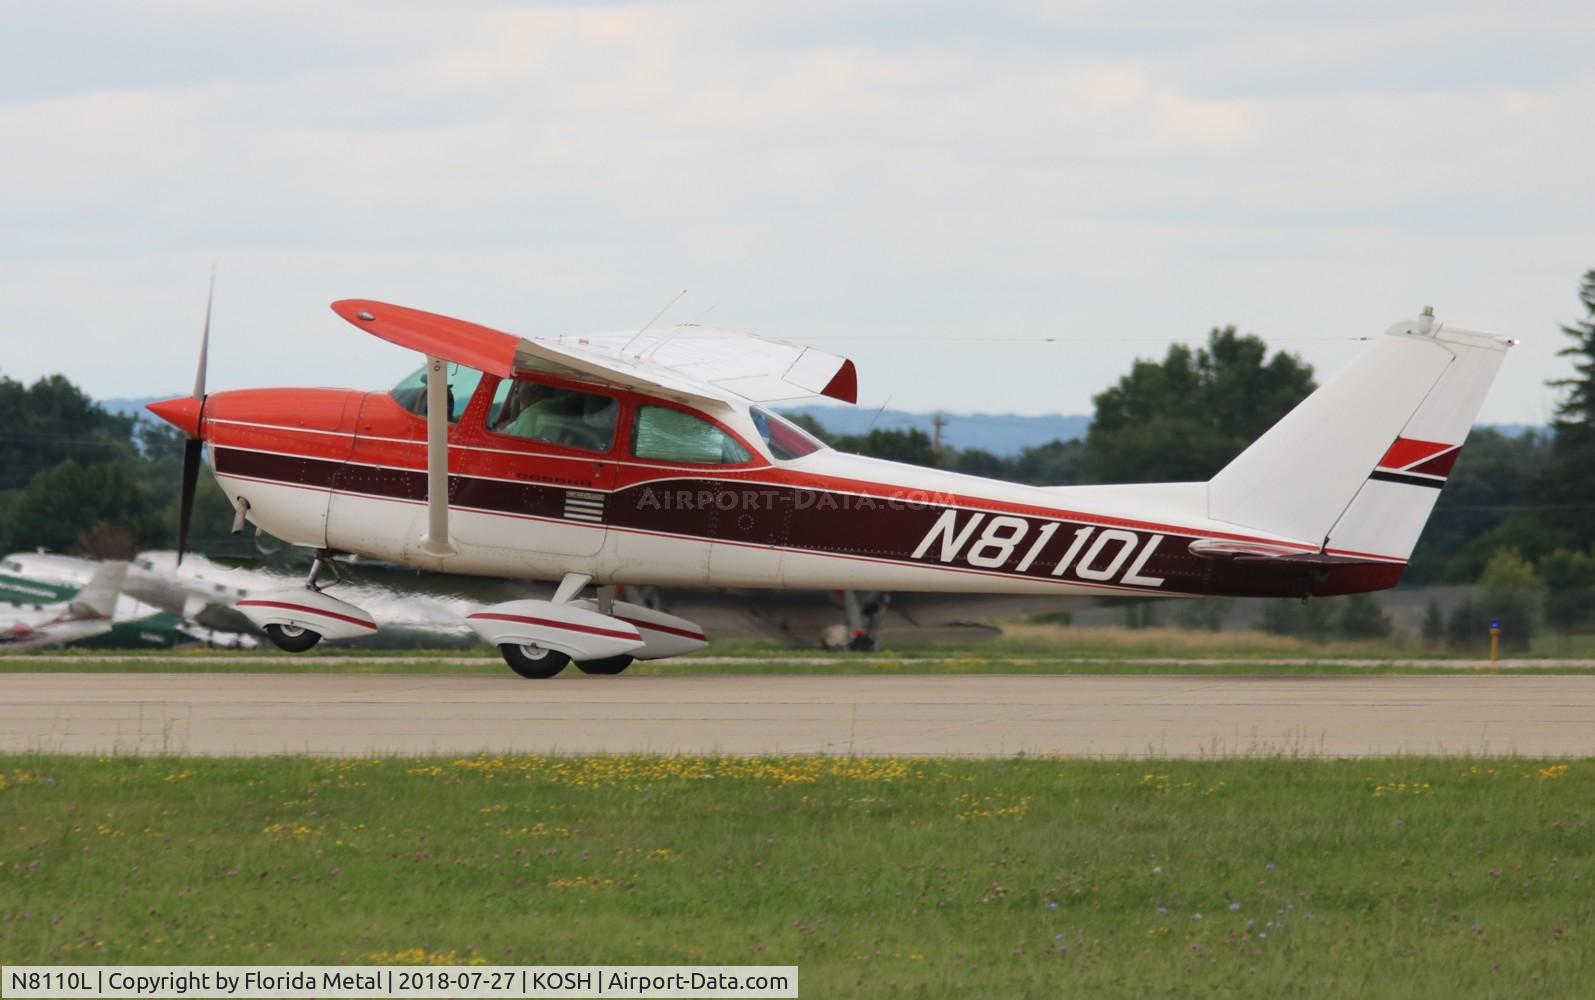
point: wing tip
(351, 309)
(844, 384)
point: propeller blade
(204, 340)
(194, 445)
(185, 508)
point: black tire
(533, 662)
(608, 665)
(292, 638)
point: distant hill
(131, 407)
(1004, 434)
(1514, 430)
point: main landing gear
(532, 661)
(538, 639)
(296, 620)
(539, 663)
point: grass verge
(1022, 877)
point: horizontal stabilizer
(1258, 553)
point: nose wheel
(292, 638)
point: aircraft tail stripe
(1439, 465)
(1398, 477)
(1405, 452)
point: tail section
(1357, 467)
(98, 597)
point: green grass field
(878, 877)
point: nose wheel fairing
(292, 613)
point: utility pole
(937, 423)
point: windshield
(411, 393)
(785, 439)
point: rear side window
(668, 435)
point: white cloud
(825, 170)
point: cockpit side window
(554, 415)
(669, 435)
(785, 439)
(411, 393)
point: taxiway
(1177, 716)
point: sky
(930, 188)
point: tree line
(77, 478)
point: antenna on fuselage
(651, 322)
(877, 415)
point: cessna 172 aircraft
(652, 458)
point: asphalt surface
(1177, 716)
(492, 662)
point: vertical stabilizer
(98, 597)
(1357, 466)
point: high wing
(696, 364)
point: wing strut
(436, 541)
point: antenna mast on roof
(651, 322)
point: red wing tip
(358, 311)
(844, 384)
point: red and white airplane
(652, 458)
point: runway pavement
(1186, 716)
(228, 661)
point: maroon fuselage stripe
(834, 523)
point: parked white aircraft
(195, 598)
(86, 615)
(651, 458)
(206, 592)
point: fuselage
(732, 497)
